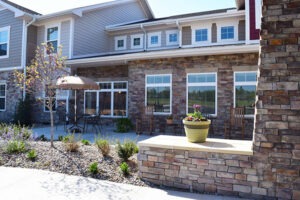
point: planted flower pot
(196, 131)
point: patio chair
(146, 122)
(61, 118)
(236, 121)
(94, 120)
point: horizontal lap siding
(65, 37)
(89, 32)
(15, 44)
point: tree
(47, 66)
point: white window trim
(132, 37)
(6, 28)
(111, 90)
(199, 43)
(258, 7)
(44, 97)
(58, 25)
(159, 85)
(215, 84)
(168, 33)
(248, 83)
(149, 35)
(225, 24)
(124, 38)
(3, 83)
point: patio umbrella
(75, 83)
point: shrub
(15, 146)
(123, 125)
(85, 142)
(42, 138)
(71, 143)
(124, 168)
(14, 132)
(93, 168)
(60, 138)
(31, 155)
(126, 150)
(23, 114)
(103, 146)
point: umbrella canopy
(76, 83)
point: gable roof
(17, 8)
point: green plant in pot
(196, 126)
(170, 119)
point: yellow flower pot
(196, 131)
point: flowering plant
(197, 115)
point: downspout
(24, 53)
(179, 34)
(145, 37)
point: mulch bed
(74, 163)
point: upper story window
(202, 89)
(201, 35)
(154, 39)
(120, 43)
(227, 32)
(53, 37)
(172, 37)
(2, 96)
(244, 90)
(137, 41)
(4, 42)
(158, 92)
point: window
(110, 100)
(52, 37)
(172, 37)
(137, 41)
(244, 90)
(202, 89)
(154, 39)
(4, 42)
(201, 35)
(2, 96)
(158, 93)
(120, 43)
(227, 32)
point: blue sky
(161, 8)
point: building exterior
(209, 58)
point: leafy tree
(47, 66)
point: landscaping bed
(60, 160)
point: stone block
(296, 194)
(242, 188)
(242, 177)
(275, 42)
(210, 188)
(296, 22)
(199, 161)
(210, 173)
(234, 170)
(225, 175)
(206, 180)
(148, 164)
(234, 163)
(153, 158)
(217, 162)
(171, 173)
(252, 178)
(286, 86)
(162, 165)
(277, 125)
(250, 171)
(259, 191)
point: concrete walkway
(23, 184)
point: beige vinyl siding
(7, 18)
(214, 33)
(90, 36)
(65, 37)
(186, 35)
(242, 31)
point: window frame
(45, 99)
(58, 34)
(158, 34)
(170, 32)
(159, 85)
(112, 90)
(246, 83)
(195, 28)
(226, 24)
(4, 83)
(215, 84)
(132, 37)
(2, 29)
(124, 38)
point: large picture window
(52, 37)
(2, 96)
(110, 100)
(244, 90)
(202, 89)
(158, 93)
(4, 42)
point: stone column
(277, 122)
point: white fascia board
(180, 20)
(18, 13)
(220, 50)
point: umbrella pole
(75, 108)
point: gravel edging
(74, 163)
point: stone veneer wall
(13, 94)
(224, 65)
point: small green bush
(15, 146)
(93, 168)
(71, 143)
(85, 142)
(42, 138)
(60, 138)
(103, 146)
(123, 125)
(124, 168)
(23, 115)
(126, 150)
(31, 155)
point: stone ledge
(238, 147)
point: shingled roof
(21, 8)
